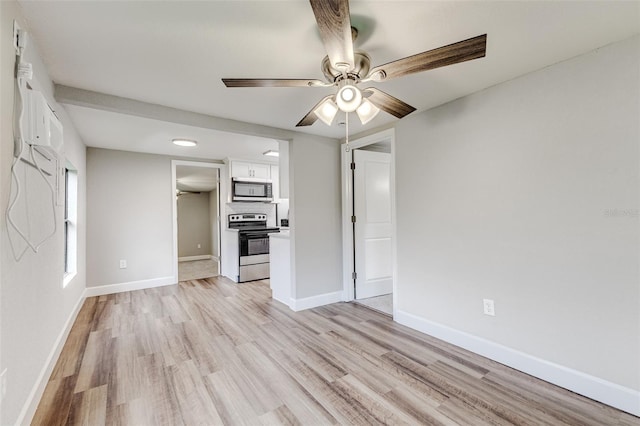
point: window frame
(70, 228)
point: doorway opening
(369, 222)
(196, 220)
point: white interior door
(373, 230)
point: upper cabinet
(243, 169)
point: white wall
(315, 207)
(35, 308)
(129, 207)
(527, 193)
(213, 224)
(194, 224)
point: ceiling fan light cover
(348, 98)
(327, 111)
(367, 111)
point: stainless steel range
(253, 240)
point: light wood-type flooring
(197, 269)
(211, 352)
(383, 304)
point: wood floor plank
(55, 403)
(280, 416)
(89, 407)
(423, 410)
(214, 352)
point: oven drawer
(250, 260)
(259, 271)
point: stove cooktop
(251, 222)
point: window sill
(68, 277)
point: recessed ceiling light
(271, 153)
(184, 142)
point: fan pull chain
(347, 149)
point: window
(70, 223)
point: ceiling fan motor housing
(360, 70)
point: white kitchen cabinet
(280, 266)
(243, 169)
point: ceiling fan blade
(388, 103)
(311, 116)
(334, 23)
(271, 82)
(461, 51)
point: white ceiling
(110, 130)
(174, 53)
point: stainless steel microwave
(247, 189)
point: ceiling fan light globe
(349, 98)
(348, 94)
(327, 111)
(367, 111)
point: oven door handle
(248, 234)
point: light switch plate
(489, 307)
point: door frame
(222, 195)
(347, 211)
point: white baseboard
(130, 286)
(30, 406)
(315, 301)
(199, 257)
(612, 394)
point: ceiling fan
(345, 68)
(180, 192)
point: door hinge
(353, 219)
(354, 275)
(353, 166)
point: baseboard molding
(130, 286)
(315, 301)
(617, 396)
(200, 257)
(30, 406)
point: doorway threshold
(382, 304)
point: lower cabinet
(280, 265)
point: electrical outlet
(123, 264)
(199, 246)
(489, 307)
(3, 384)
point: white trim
(315, 301)
(130, 286)
(68, 277)
(190, 258)
(609, 393)
(31, 404)
(222, 195)
(347, 210)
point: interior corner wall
(35, 308)
(314, 177)
(129, 209)
(527, 193)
